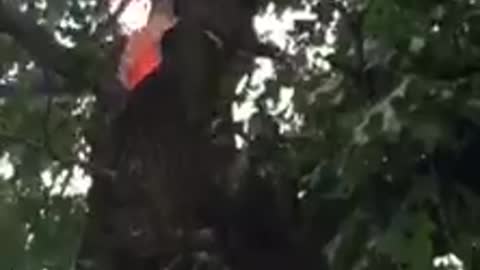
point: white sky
(135, 15)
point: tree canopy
(379, 141)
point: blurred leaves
(377, 164)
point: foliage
(381, 144)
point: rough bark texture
(163, 157)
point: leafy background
(380, 138)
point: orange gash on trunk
(142, 56)
(142, 53)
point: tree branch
(8, 137)
(38, 84)
(67, 162)
(36, 40)
(109, 24)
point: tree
(371, 165)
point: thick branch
(39, 85)
(34, 39)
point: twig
(17, 139)
(66, 183)
(39, 146)
(444, 224)
(46, 122)
(107, 26)
(354, 20)
(174, 262)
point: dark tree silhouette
(169, 188)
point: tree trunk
(167, 205)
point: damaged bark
(168, 203)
